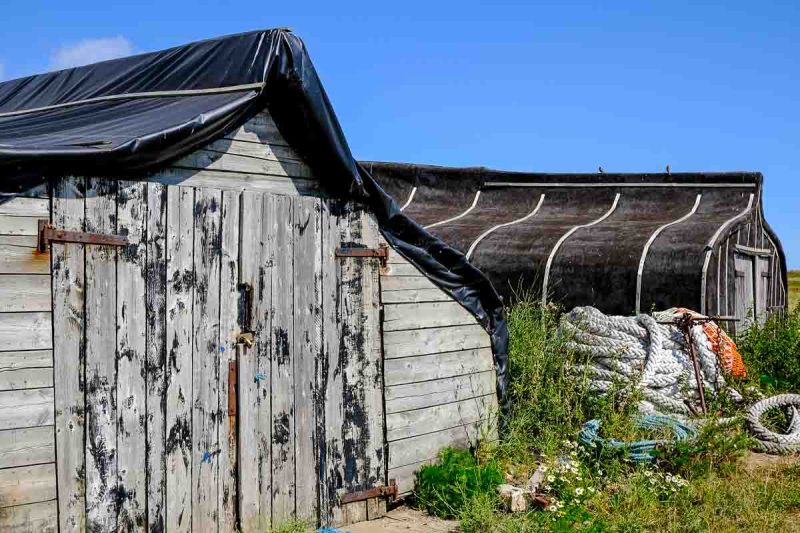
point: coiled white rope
(767, 440)
(654, 357)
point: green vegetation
(709, 484)
(772, 352)
(794, 288)
(444, 489)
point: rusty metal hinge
(381, 252)
(384, 491)
(48, 234)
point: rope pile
(650, 353)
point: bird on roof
(668, 172)
(600, 170)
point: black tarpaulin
(131, 115)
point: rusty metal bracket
(48, 234)
(233, 394)
(384, 491)
(382, 253)
(685, 323)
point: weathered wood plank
(255, 466)
(25, 359)
(25, 293)
(376, 508)
(18, 259)
(307, 345)
(353, 350)
(26, 378)
(27, 484)
(241, 164)
(259, 129)
(437, 366)
(399, 317)
(278, 210)
(101, 346)
(156, 354)
(25, 331)
(439, 391)
(25, 207)
(430, 419)
(16, 225)
(407, 283)
(228, 328)
(355, 512)
(434, 340)
(205, 381)
(180, 290)
(401, 269)
(406, 476)
(69, 354)
(237, 181)
(330, 408)
(270, 152)
(22, 241)
(131, 365)
(41, 517)
(28, 446)
(414, 296)
(426, 447)
(26, 408)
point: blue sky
(556, 86)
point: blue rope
(639, 451)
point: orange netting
(729, 357)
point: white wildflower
(579, 491)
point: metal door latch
(381, 252)
(245, 338)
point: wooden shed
(624, 243)
(211, 319)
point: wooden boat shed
(624, 243)
(211, 317)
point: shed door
(763, 278)
(745, 293)
(151, 430)
(311, 424)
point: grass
(708, 485)
(794, 288)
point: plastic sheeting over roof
(130, 115)
(620, 242)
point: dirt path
(404, 520)
(756, 461)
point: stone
(536, 479)
(513, 498)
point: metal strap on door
(48, 234)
